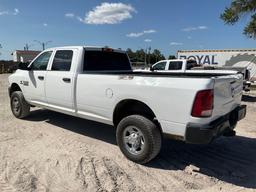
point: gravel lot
(50, 151)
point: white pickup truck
(191, 66)
(99, 84)
(176, 65)
(187, 66)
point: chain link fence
(8, 66)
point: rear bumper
(204, 134)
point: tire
(20, 107)
(148, 137)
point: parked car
(99, 84)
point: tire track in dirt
(86, 174)
(145, 178)
(121, 180)
(21, 178)
(108, 176)
(5, 186)
(178, 180)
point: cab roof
(95, 48)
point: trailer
(223, 58)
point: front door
(35, 84)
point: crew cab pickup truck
(176, 65)
(99, 84)
(184, 66)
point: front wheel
(20, 107)
(138, 138)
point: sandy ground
(50, 151)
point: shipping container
(220, 58)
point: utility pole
(145, 57)
(43, 44)
(149, 49)
(1, 48)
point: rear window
(191, 64)
(106, 61)
(175, 65)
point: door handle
(40, 77)
(67, 80)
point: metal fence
(8, 66)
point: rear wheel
(138, 138)
(20, 107)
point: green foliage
(172, 57)
(250, 29)
(142, 55)
(239, 9)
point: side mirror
(151, 68)
(24, 66)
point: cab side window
(42, 61)
(160, 66)
(191, 64)
(62, 60)
(175, 65)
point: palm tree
(239, 9)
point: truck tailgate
(227, 93)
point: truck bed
(159, 74)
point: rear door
(60, 80)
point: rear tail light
(203, 104)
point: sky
(167, 25)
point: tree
(145, 56)
(130, 54)
(171, 57)
(237, 10)
(140, 55)
(156, 56)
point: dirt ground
(50, 151)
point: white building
(24, 56)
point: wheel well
(131, 107)
(14, 87)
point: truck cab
(175, 65)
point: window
(159, 66)
(191, 64)
(175, 65)
(42, 61)
(106, 61)
(62, 60)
